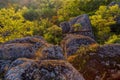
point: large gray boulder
(104, 64)
(28, 47)
(78, 25)
(16, 50)
(24, 47)
(71, 43)
(111, 50)
(19, 61)
(42, 70)
(4, 65)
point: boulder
(83, 20)
(71, 43)
(28, 39)
(51, 52)
(114, 3)
(78, 25)
(28, 47)
(111, 50)
(16, 50)
(19, 61)
(24, 47)
(104, 64)
(4, 65)
(65, 27)
(42, 70)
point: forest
(59, 39)
(20, 18)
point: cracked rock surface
(42, 70)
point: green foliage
(77, 26)
(13, 25)
(39, 17)
(69, 9)
(72, 8)
(31, 15)
(113, 39)
(87, 49)
(89, 6)
(47, 8)
(41, 26)
(53, 34)
(102, 20)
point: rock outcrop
(29, 47)
(78, 32)
(42, 70)
(103, 64)
(71, 43)
(15, 65)
(4, 65)
(78, 25)
(32, 58)
(24, 47)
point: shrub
(40, 27)
(13, 25)
(31, 15)
(77, 26)
(113, 39)
(53, 34)
(102, 20)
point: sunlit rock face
(104, 64)
(42, 70)
(72, 42)
(78, 25)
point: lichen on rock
(43, 70)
